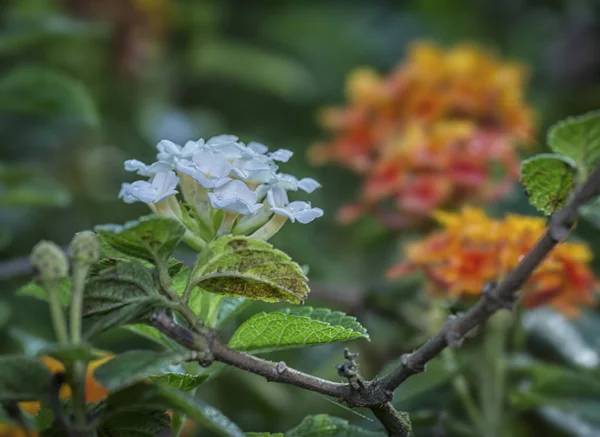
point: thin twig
(377, 394)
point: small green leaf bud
(50, 261)
(84, 248)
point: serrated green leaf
(323, 425)
(297, 327)
(23, 379)
(548, 180)
(180, 381)
(150, 237)
(119, 295)
(242, 267)
(130, 367)
(158, 395)
(41, 91)
(579, 139)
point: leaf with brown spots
(242, 267)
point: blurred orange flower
(473, 249)
(432, 132)
(94, 392)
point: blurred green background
(86, 84)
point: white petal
(299, 211)
(284, 212)
(165, 182)
(166, 146)
(277, 197)
(287, 181)
(222, 139)
(191, 147)
(137, 166)
(235, 196)
(308, 185)
(212, 163)
(309, 215)
(191, 169)
(282, 155)
(234, 205)
(259, 148)
(143, 191)
(124, 193)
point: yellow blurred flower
(428, 134)
(473, 249)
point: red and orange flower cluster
(435, 132)
(473, 249)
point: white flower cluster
(228, 187)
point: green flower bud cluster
(84, 248)
(50, 261)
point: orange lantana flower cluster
(473, 249)
(434, 132)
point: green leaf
(579, 139)
(158, 395)
(154, 334)
(180, 381)
(119, 295)
(22, 378)
(132, 422)
(548, 384)
(323, 425)
(22, 185)
(591, 212)
(72, 352)
(152, 238)
(34, 289)
(230, 306)
(264, 70)
(142, 423)
(242, 267)
(130, 367)
(548, 179)
(575, 340)
(41, 91)
(264, 434)
(437, 374)
(297, 327)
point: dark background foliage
(86, 84)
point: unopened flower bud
(50, 261)
(84, 248)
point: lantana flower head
(432, 133)
(473, 249)
(225, 185)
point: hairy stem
(56, 312)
